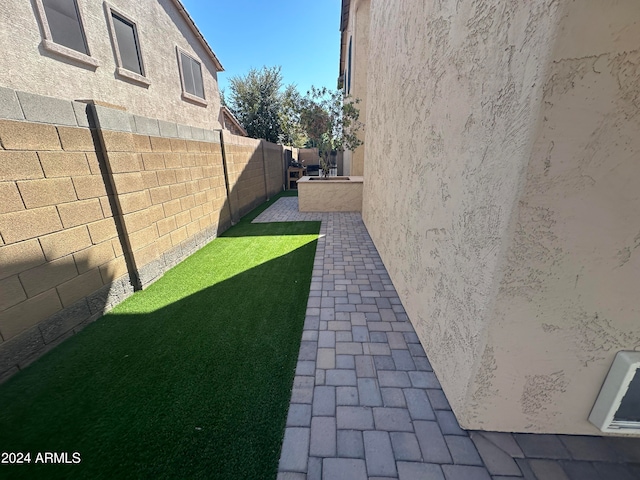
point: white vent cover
(617, 409)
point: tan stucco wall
(26, 66)
(482, 240)
(359, 28)
(567, 301)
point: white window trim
(120, 70)
(51, 46)
(186, 95)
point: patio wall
(274, 167)
(309, 156)
(510, 232)
(97, 203)
(255, 169)
(170, 192)
(59, 244)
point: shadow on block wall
(61, 256)
(254, 172)
(91, 213)
(175, 194)
(64, 296)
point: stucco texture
(27, 66)
(359, 31)
(501, 192)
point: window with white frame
(63, 30)
(126, 46)
(191, 78)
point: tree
(331, 122)
(292, 132)
(323, 118)
(256, 101)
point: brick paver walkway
(366, 404)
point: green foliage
(292, 132)
(256, 101)
(331, 122)
(323, 118)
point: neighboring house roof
(198, 34)
(228, 116)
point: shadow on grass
(195, 388)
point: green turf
(188, 379)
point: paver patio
(366, 404)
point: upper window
(349, 69)
(126, 46)
(191, 77)
(63, 29)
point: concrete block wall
(274, 167)
(59, 246)
(309, 156)
(90, 213)
(170, 193)
(245, 167)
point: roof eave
(344, 17)
(198, 34)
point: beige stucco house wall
(355, 33)
(508, 216)
(163, 26)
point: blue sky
(301, 36)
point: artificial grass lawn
(188, 379)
